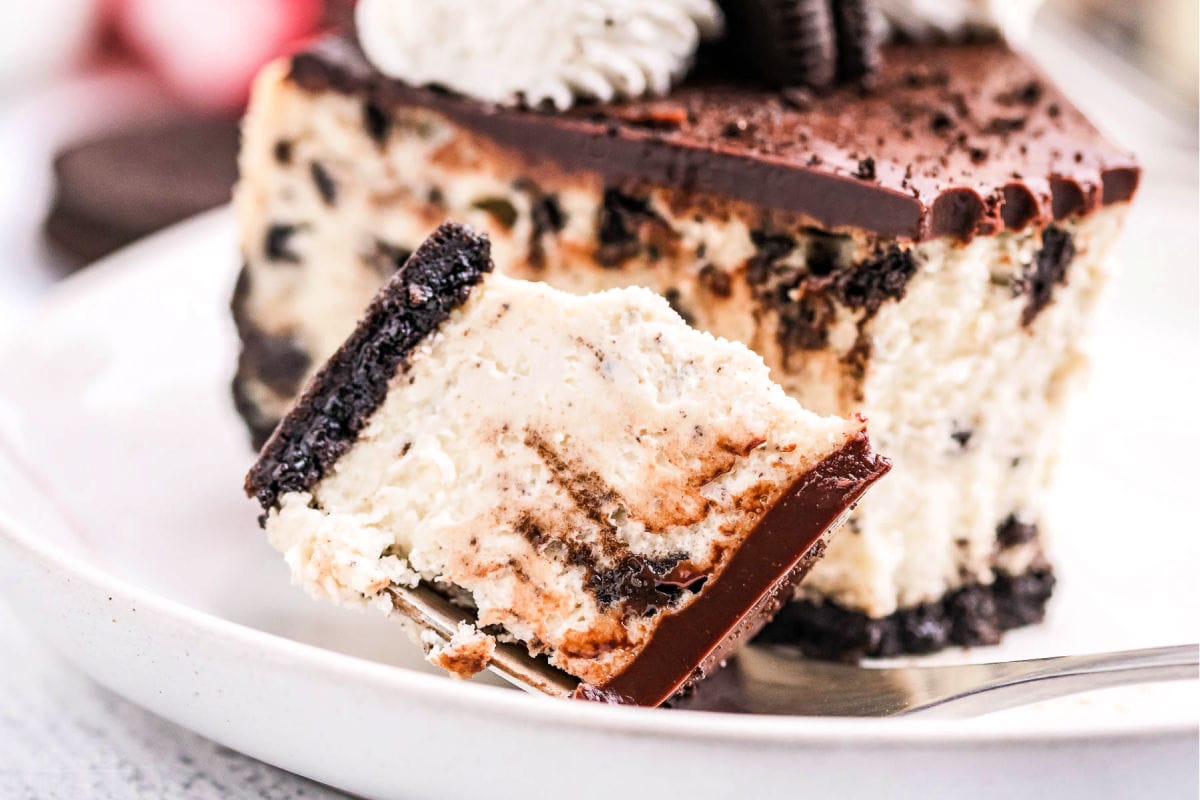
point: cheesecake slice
(929, 253)
(588, 476)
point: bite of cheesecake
(587, 475)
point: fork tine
(432, 612)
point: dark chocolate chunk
(283, 152)
(352, 384)
(1049, 270)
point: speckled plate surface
(126, 543)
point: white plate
(134, 553)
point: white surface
(167, 593)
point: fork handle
(1019, 683)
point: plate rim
(515, 705)
(700, 726)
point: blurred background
(119, 117)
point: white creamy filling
(953, 19)
(508, 51)
(670, 428)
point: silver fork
(775, 680)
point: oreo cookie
(857, 46)
(120, 186)
(813, 43)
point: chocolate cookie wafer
(857, 45)
(787, 42)
(813, 43)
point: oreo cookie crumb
(377, 123)
(1012, 532)
(876, 280)
(277, 244)
(716, 280)
(326, 185)
(1049, 269)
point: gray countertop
(62, 737)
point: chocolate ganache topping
(953, 140)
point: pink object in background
(208, 51)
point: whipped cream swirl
(537, 51)
(954, 19)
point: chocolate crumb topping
(347, 390)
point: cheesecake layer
(962, 352)
(590, 476)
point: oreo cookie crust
(347, 390)
(972, 616)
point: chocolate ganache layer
(952, 140)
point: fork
(775, 680)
